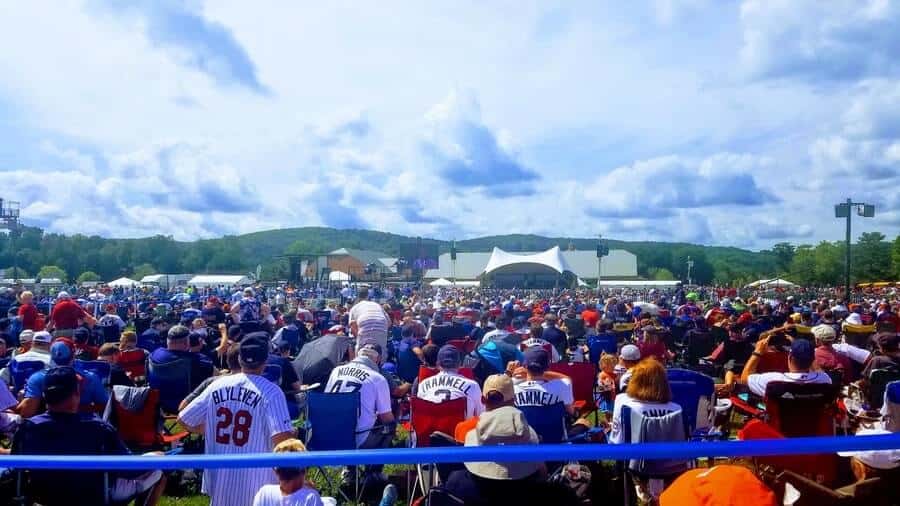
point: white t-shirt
(372, 322)
(241, 413)
(374, 393)
(855, 354)
(536, 341)
(449, 385)
(544, 393)
(616, 435)
(757, 383)
(494, 335)
(270, 495)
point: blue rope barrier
(692, 450)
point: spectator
(4, 346)
(536, 339)
(826, 358)
(629, 356)
(66, 316)
(255, 421)
(648, 392)
(25, 340)
(178, 348)
(537, 390)
(289, 381)
(889, 353)
(63, 431)
(368, 321)
(489, 483)
(607, 383)
(39, 349)
(152, 338)
(233, 367)
(552, 334)
(81, 338)
(111, 318)
(93, 395)
(109, 352)
(590, 316)
(9, 420)
(718, 486)
(653, 345)
(292, 488)
(448, 384)
(28, 314)
(800, 360)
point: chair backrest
(464, 346)
(695, 393)
(772, 361)
(801, 409)
(426, 372)
(111, 333)
(700, 344)
(582, 376)
(548, 348)
(173, 380)
(138, 429)
(600, 344)
(427, 417)
(662, 427)
(99, 368)
(878, 380)
(21, 371)
(549, 422)
(332, 420)
(272, 372)
(134, 362)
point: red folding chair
(801, 409)
(427, 372)
(134, 362)
(821, 468)
(465, 346)
(582, 376)
(144, 429)
(426, 418)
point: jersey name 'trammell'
(455, 382)
(536, 398)
(239, 394)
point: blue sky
(720, 122)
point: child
(606, 381)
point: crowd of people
(235, 367)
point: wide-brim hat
(502, 426)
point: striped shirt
(240, 413)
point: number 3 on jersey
(233, 428)
(345, 387)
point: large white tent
(447, 282)
(771, 283)
(123, 282)
(217, 280)
(551, 258)
(338, 276)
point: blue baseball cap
(60, 353)
(449, 357)
(802, 352)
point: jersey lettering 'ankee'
(455, 382)
(240, 394)
(353, 372)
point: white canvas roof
(338, 276)
(767, 283)
(649, 283)
(551, 258)
(219, 279)
(127, 282)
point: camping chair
(272, 372)
(426, 418)
(822, 468)
(582, 376)
(99, 368)
(331, 425)
(20, 372)
(871, 492)
(695, 393)
(134, 362)
(638, 428)
(878, 381)
(141, 430)
(697, 345)
(801, 409)
(110, 333)
(465, 346)
(600, 344)
(173, 380)
(549, 422)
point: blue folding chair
(272, 372)
(696, 394)
(549, 422)
(331, 425)
(665, 425)
(99, 368)
(600, 344)
(173, 380)
(21, 371)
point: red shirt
(28, 313)
(829, 360)
(657, 349)
(66, 314)
(590, 318)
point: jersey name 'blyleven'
(239, 394)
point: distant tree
(872, 258)
(52, 271)
(88, 276)
(828, 262)
(895, 258)
(15, 273)
(143, 270)
(661, 274)
(803, 265)
(784, 253)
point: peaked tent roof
(123, 282)
(551, 258)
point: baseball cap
(63, 295)
(81, 335)
(234, 332)
(630, 352)
(59, 384)
(42, 337)
(449, 357)
(824, 333)
(254, 351)
(802, 352)
(536, 358)
(60, 353)
(718, 486)
(372, 347)
(26, 336)
(500, 384)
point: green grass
(197, 500)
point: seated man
(448, 384)
(63, 431)
(151, 339)
(109, 352)
(93, 396)
(178, 348)
(800, 360)
(537, 390)
(827, 358)
(498, 392)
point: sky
(718, 122)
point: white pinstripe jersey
(240, 414)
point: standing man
(239, 413)
(368, 321)
(66, 316)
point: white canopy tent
(551, 258)
(338, 276)
(217, 280)
(123, 283)
(440, 282)
(446, 282)
(772, 283)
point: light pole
(843, 211)
(9, 219)
(602, 251)
(690, 265)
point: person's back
(201, 366)
(374, 392)
(449, 384)
(66, 314)
(370, 322)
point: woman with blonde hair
(28, 314)
(648, 393)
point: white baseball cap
(42, 337)
(630, 352)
